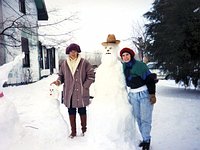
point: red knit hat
(73, 46)
(127, 50)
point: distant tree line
(174, 32)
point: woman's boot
(72, 119)
(83, 123)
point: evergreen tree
(174, 30)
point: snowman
(10, 126)
(110, 109)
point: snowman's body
(110, 101)
(109, 81)
(10, 126)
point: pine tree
(174, 29)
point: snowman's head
(53, 91)
(109, 55)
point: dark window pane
(25, 49)
(22, 6)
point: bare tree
(58, 32)
(140, 40)
(94, 58)
(11, 25)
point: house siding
(2, 53)
(10, 10)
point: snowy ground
(176, 118)
(31, 119)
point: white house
(19, 33)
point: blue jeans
(142, 111)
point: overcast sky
(98, 18)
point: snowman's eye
(110, 47)
(105, 47)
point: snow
(32, 119)
(5, 68)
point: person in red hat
(141, 91)
(77, 75)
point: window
(46, 58)
(41, 55)
(22, 7)
(52, 59)
(25, 49)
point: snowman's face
(54, 92)
(110, 49)
(109, 53)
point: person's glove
(152, 99)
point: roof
(41, 9)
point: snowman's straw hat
(111, 39)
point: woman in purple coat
(77, 75)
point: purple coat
(77, 87)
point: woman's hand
(57, 82)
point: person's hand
(152, 99)
(57, 82)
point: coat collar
(73, 64)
